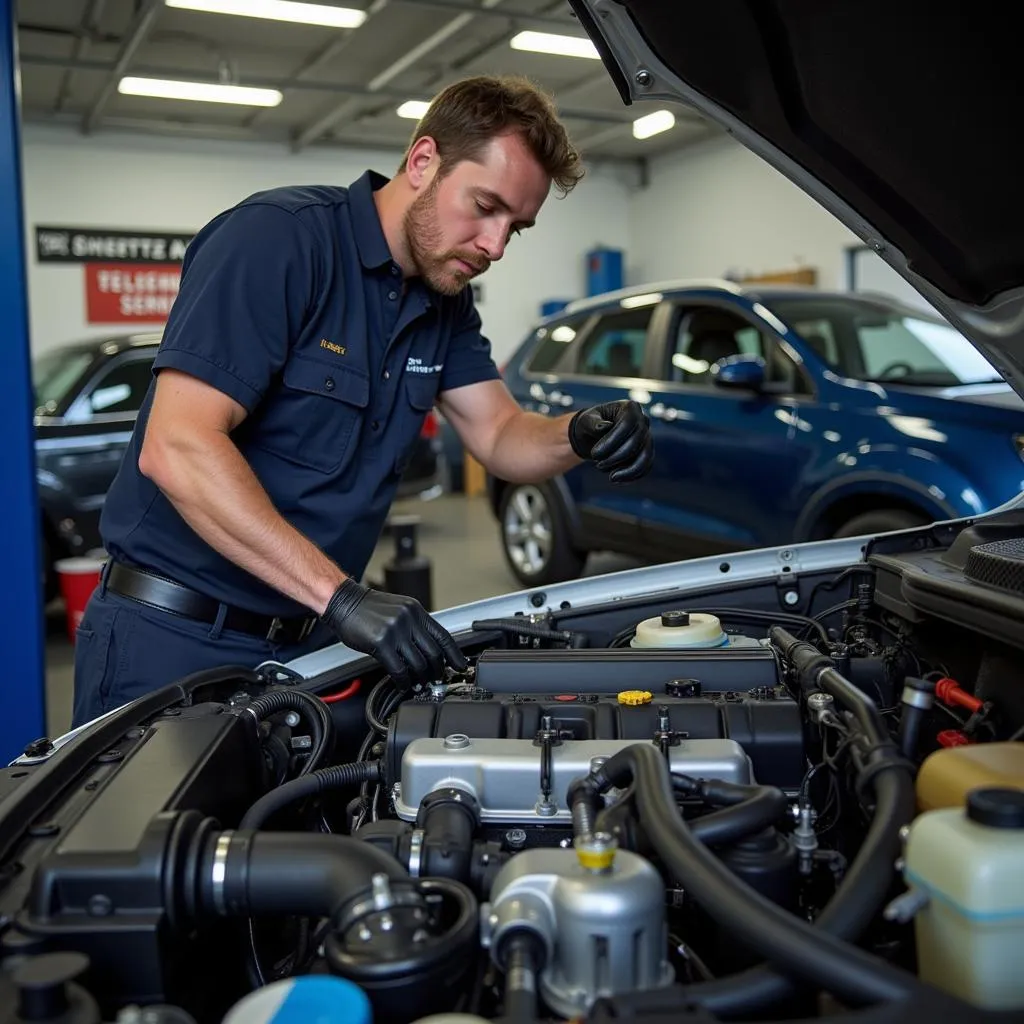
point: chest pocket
(315, 417)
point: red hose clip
(949, 692)
(952, 738)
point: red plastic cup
(78, 578)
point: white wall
(140, 182)
(717, 209)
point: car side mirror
(739, 371)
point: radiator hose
(798, 949)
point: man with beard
(314, 329)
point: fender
(884, 470)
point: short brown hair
(464, 117)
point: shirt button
(375, 425)
(329, 383)
(394, 270)
(392, 295)
(387, 375)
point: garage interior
(339, 98)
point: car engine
(644, 810)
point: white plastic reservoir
(680, 629)
(969, 863)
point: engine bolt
(515, 838)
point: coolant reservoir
(968, 863)
(947, 776)
(680, 629)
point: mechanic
(313, 330)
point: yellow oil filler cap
(596, 852)
(635, 697)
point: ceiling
(341, 86)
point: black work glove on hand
(394, 629)
(616, 436)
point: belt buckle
(276, 625)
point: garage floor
(458, 534)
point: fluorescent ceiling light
(561, 46)
(278, 10)
(650, 124)
(165, 89)
(414, 109)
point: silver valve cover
(504, 774)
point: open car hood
(896, 118)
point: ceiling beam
(89, 24)
(324, 55)
(137, 31)
(332, 117)
(517, 14)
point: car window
(552, 342)
(872, 339)
(615, 346)
(54, 373)
(703, 336)
(122, 388)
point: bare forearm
(529, 447)
(215, 491)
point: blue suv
(779, 415)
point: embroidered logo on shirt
(331, 347)
(415, 365)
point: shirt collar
(370, 240)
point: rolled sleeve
(247, 285)
(468, 360)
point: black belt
(168, 596)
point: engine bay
(698, 805)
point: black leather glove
(616, 436)
(396, 630)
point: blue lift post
(22, 687)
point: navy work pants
(124, 649)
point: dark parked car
(87, 396)
(779, 415)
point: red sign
(117, 293)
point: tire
(535, 535)
(880, 520)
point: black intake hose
(314, 710)
(246, 874)
(855, 904)
(449, 819)
(867, 882)
(747, 810)
(335, 777)
(798, 949)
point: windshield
(53, 374)
(891, 344)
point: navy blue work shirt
(291, 304)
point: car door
(83, 449)
(606, 363)
(727, 460)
